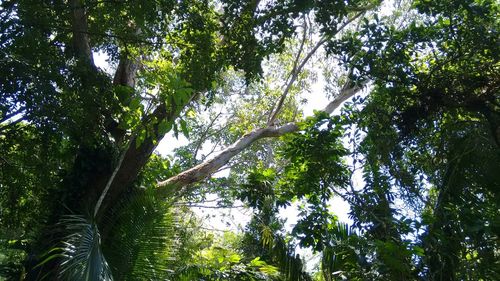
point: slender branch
(301, 49)
(213, 229)
(111, 178)
(5, 126)
(212, 150)
(293, 78)
(296, 71)
(290, 79)
(204, 134)
(8, 116)
(185, 203)
(212, 207)
(6, 161)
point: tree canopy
(409, 137)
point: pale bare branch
(296, 70)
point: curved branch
(205, 169)
(293, 78)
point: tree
(77, 137)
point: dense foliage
(414, 150)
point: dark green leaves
(315, 155)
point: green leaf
(176, 131)
(257, 262)
(184, 128)
(164, 127)
(141, 136)
(135, 103)
(418, 251)
(234, 258)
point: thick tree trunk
(126, 72)
(134, 160)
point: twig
(112, 177)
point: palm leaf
(142, 237)
(82, 257)
(336, 257)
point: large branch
(134, 158)
(209, 167)
(126, 72)
(175, 185)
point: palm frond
(289, 263)
(337, 257)
(142, 237)
(82, 257)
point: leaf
(257, 262)
(176, 131)
(184, 128)
(51, 257)
(164, 127)
(418, 251)
(234, 258)
(135, 103)
(140, 138)
(269, 269)
(83, 258)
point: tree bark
(175, 184)
(81, 42)
(134, 160)
(126, 71)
